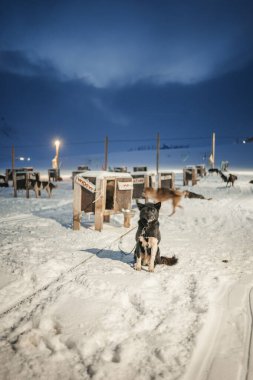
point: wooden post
(127, 218)
(157, 152)
(213, 150)
(14, 181)
(77, 212)
(13, 164)
(106, 154)
(100, 195)
(194, 176)
(27, 184)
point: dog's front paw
(137, 267)
(151, 268)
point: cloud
(22, 63)
(116, 43)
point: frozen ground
(72, 307)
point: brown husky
(162, 195)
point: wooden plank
(77, 207)
(99, 204)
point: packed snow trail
(224, 346)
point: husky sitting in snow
(148, 237)
(37, 186)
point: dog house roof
(143, 173)
(104, 174)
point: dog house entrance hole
(110, 191)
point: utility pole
(14, 179)
(157, 153)
(213, 150)
(12, 158)
(106, 154)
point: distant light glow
(23, 158)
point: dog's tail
(169, 260)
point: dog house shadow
(112, 255)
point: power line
(88, 142)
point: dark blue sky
(80, 70)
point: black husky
(148, 237)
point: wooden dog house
(140, 168)
(53, 174)
(166, 180)
(103, 193)
(21, 180)
(80, 169)
(120, 169)
(9, 174)
(201, 170)
(189, 174)
(141, 180)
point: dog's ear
(140, 205)
(157, 206)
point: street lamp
(57, 147)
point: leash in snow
(121, 240)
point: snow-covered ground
(72, 307)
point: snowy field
(72, 307)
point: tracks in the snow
(225, 345)
(45, 295)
